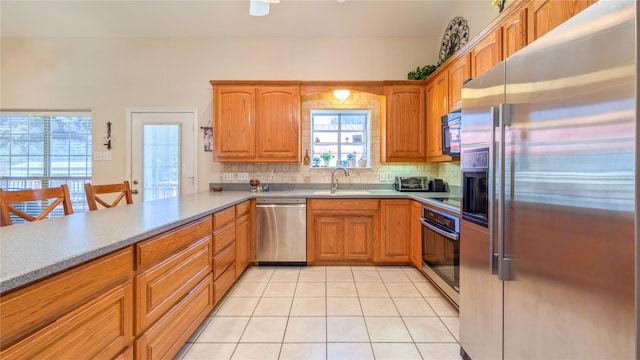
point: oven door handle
(448, 234)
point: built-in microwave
(451, 133)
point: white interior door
(162, 153)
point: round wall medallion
(456, 35)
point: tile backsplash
(377, 173)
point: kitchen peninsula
(134, 275)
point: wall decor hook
(107, 139)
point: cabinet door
(243, 245)
(459, 71)
(404, 127)
(328, 238)
(545, 15)
(396, 231)
(278, 124)
(514, 30)
(487, 53)
(415, 252)
(359, 238)
(438, 105)
(234, 123)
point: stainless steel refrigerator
(551, 271)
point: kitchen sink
(342, 192)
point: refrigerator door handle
(493, 255)
(504, 119)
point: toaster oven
(411, 183)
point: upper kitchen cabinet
(514, 32)
(458, 71)
(404, 133)
(256, 123)
(545, 15)
(437, 106)
(486, 53)
(234, 123)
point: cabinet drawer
(223, 283)
(31, 308)
(223, 237)
(100, 329)
(223, 217)
(165, 338)
(161, 286)
(243, 208)
(163, 245)
(344, 204)
(223, 259)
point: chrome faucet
(334, 181)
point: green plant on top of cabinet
(256, 123)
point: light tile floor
(333, 312)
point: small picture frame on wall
(208, 139)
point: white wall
(108, 75)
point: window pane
(161, 161)
(341, 135)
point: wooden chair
(7, 198)
(93, 190)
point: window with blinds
(46, 149)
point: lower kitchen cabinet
(165, 338)
(341, 230)
(244, 231)
(415, 248)
(393, 246)
(104, 324)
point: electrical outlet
(383, 177)
(243, 176)
(106, 155)
(227, 176)
(97, 156)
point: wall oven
(475, 171)
(441, 251)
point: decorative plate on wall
(456, 35)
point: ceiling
(225, 18)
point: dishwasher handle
(278, 201)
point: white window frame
(339, 144)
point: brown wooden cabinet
(544, 15)
(244, 228)
(48, 316)
(458, 71)
(395, 238)
(486, 53)
(437, 106)
(415, 252)
(341, 230)
(256, 123)
(224, 251)
(514, 33)
(404, 128)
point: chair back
(93, 191)
(59, 195)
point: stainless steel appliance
(553, 276)
(419, 183)
(475, 172)
(451, 124)
(440, 250)
(411, 183)
(281, 231)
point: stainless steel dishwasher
(281, 231)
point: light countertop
(32, 251)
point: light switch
(106, 155)
(243, 176)
(227, 176)
(97, 156)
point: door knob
(134, 191)
(135, 182)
